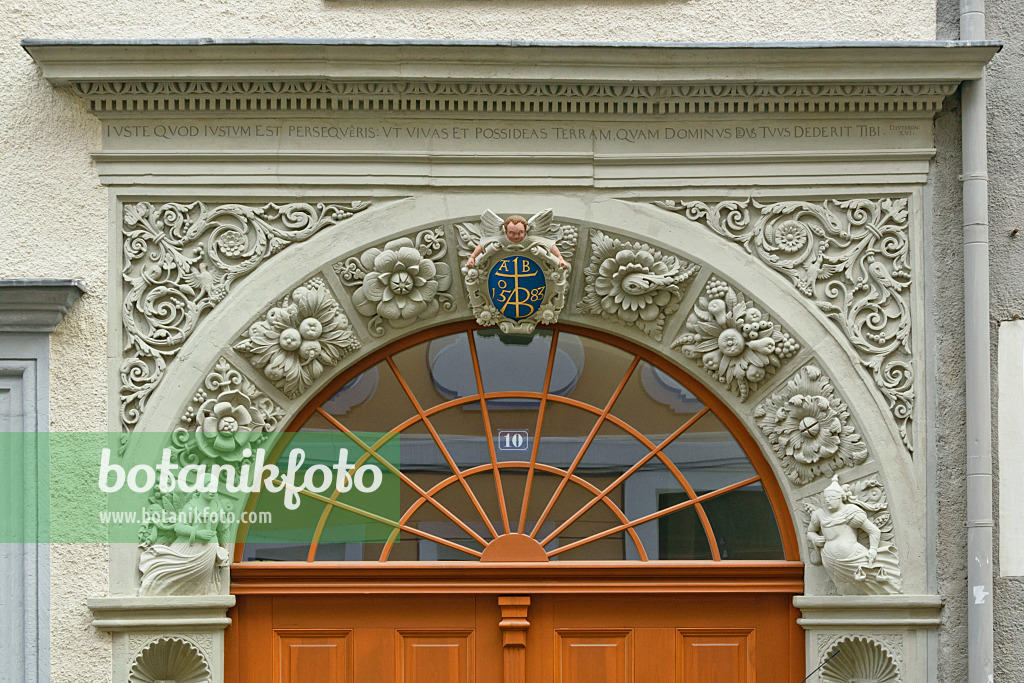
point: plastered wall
(53, 211)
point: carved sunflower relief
(634, 284)
(735, 341)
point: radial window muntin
(478, 531)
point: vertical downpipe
(979, 362)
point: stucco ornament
(838, 521)
(735, 342)
(227, 424)
(185, 556)
(633, 283)
(298, 339)
(170, 659)
(852, 258)
(180, 260)
(405, 282)
(809, 427)
(516, 270)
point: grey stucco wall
(1006, 207)
(1006, 172)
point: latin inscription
(622, 134)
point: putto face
(515, 232)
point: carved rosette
(851, 258)
(170, 659)
(633, 283)
(404, 282)
(809, 427)
(735, 342)
(299, 338)
(180, 260)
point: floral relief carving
(633, 283)
(296, 340)
(402, 283)
(852, 258)
(736, 343)
(227, 413)
(180, 260)
(809, 427)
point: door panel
(314, 656)
(710, 657)
(594, 656)
(435, 657)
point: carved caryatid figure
(191, 564)
(834, 530)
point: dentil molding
(508, 78)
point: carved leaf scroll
(180, 260)
(851, 257)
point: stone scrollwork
(170, 659)
(736, 343)
(404, 282)
(859, 658)
(852, 258)
(180, 260)
(297, 339)
(850, 533)
(809, 427)
(633, 283)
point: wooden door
(487, 638)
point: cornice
(36, 304)
(508, 79)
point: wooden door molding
(514, 625)
(283, 578)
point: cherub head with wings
(514, 229)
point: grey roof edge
(392, 42)
(36, 304)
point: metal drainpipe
(979, 361)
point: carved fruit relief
(634, 283)
(809, 427)
(735, 342)
(296, 340)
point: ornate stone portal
(763, 235)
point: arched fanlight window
(566, 444)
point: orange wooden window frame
(711, 403)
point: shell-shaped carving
(860, 660)
(170, 659)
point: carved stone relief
(891, 642)
(180, 260)
(226, 415)
(809, 427)
(170, 659)
(860, 659)
(405, 282)
(851, 257)
(300, 337)
(734, 340)
(633, 283)
(516, 270)
(850, 533)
